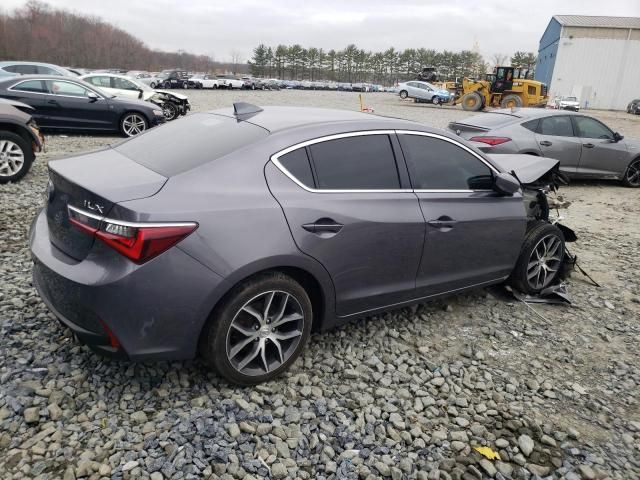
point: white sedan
(173, 104)
(207, 81)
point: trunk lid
(528, 168)
(94, 183)
(481, 123)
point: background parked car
(230, 82)
(20, 140)
(205, 80)
(173, 79)
(143, 77)
(567, 103)
(71, 104)
(634, 106)
(423, 91)
(13, 68)
(172, 104)
(586, 147)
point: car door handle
(588, 145)
(443, 223)
(323, 225)
(546, 143)
(53, 102)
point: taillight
(139, 242)
(493, 141)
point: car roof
(16, 62)
(277, 119)
(531, 112)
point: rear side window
(36, 86)
(355, 163)
(436, 164)
(531, 125)
(203, 137)
(557, 126)
(46, 70)
(297, 163)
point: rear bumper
(155, 310)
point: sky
(224, 29)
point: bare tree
(499, 59)
(236, 58)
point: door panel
(478, 239)
(374, 257)
(601, 155)
(73, 113)
(556, 139)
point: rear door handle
(53, 102)
(323, 225)
(588, 145)
(443, 223)
(546, 143)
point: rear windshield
(187, 143)
(489, 120)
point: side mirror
(93, 97)
(506, 184)
(140, 93)
(617, 137)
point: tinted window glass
(355, 163)
(531, 125)
(297, 162)
(441, 165)
(25, 69)
(203, 138)
(556, 126)
(10, 68)
(123, 84)
(590, 128)
(31, 86)
(58, 87)
(46, 71)
(101, 81)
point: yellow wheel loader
(508, 87)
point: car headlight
(158, 113)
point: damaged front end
(173, 104)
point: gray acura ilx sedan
(234, 233)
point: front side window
(557, 126)
(26, 69)
(123, 84)
(364, 162)
(589, 128)
(436, 164)
(69, 89)
(46, 70)
(36, 86)
(100, 81)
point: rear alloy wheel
(511, 101)
(404, 94)
(133, 124)
(472, 102)
(540, 259)
(259, 330)
(16, 157)
(632, 175)
(170, 111)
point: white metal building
(596, 59)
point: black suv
(173, 79)
(20, 139)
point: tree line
(38, 32)
(353, 64)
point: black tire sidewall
(406, 94)
(27, 153)
(535, 232)
(213, 340)
(625, 182)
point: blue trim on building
(548, 51)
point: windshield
(163, 75)
(570, 99)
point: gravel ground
(409, 394)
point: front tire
(404, 94)
(166, 85)
(16, 157)
(133, 123)
(435, 100)
(170, 111)
(152, 84)
(472, 102)
(540, 260)
(258, 330)
(632, 174)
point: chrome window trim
(124, 223)
(275, 160)
(47, 93)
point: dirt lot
(409, 394)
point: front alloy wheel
(133, 124)
(632, 175)
(259, 330)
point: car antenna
(243, 110)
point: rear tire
(472, 102)
(247, 346)
(511, 101)
(435, 100)
(540, 260)
(16, 157)
(632, 174)
(404, 94)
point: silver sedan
(585, 147)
